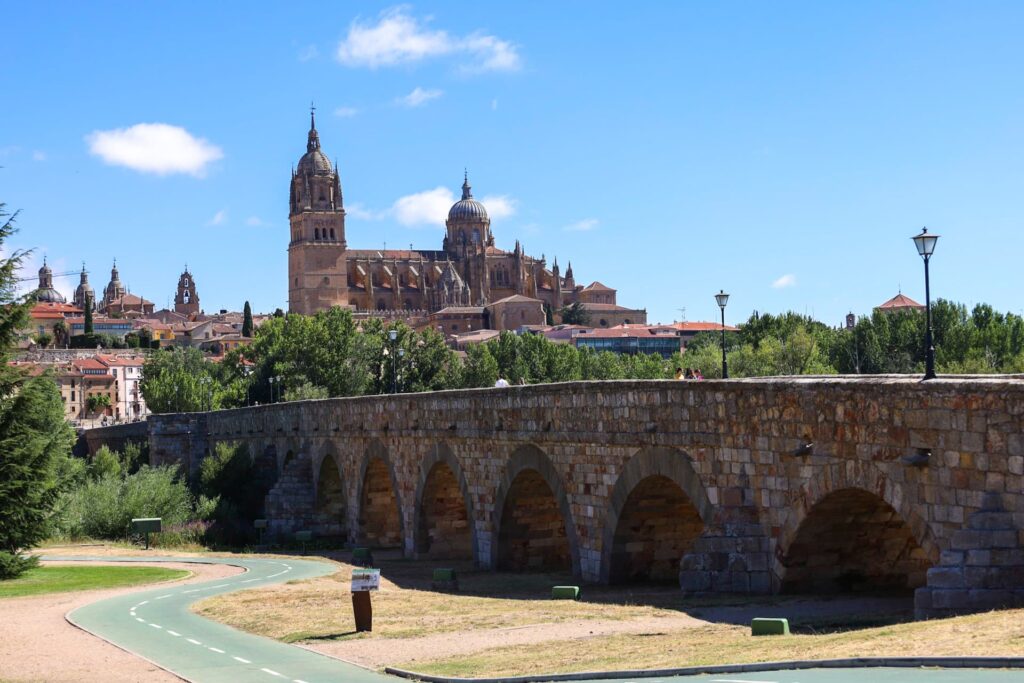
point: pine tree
(247, 320)
(35, 439)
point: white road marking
(140, 620)
(194, 642)
(161, 597)
(223, 585)
(174, 633)
(156, 625)
(144, 602)
(272, 673)
(132, 613)
(213, 649)
(243, 661)
(250, 580)
(298, 680)
(737, 680)
(194, 590)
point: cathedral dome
(314, 161)
(467, 208)
(49, 295)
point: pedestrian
(697, 375)
(679, 373)
(502, 382)
(688, 374)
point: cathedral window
(316, 233)
(381, 306)
(476, 236)
(332, 233)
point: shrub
(237, 488)
(12, 565)
(104, 507)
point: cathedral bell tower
(317, 272)
(186, 299)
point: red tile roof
(899, 301)
(596, 286)
(696, 326)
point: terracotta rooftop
(899, 301)
(516, 298)
(696, 326)
(596, 286)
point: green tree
(181, 380)
(105, 462)
(35, 439)
(481, 368)
(60, 334)
(97, 403)
(246, 320)
(574, 314)
(88, 329)
(43, 340)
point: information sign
(365, 580)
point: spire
(467, 190)
(313, 141)
(568, 271)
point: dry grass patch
(405, 607)
(990, 634)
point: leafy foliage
(236, 487)
(247, 320)
(182, 380)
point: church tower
(317, 270)
(186, 299)
(114, 289)
(84, 294)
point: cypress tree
(247, 320)
(88, 314)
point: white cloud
(787, 280)
(583, 225)
(307, 53)
(418, 97)
(154, 148)
(397, 38)
(428, 207)
(218, 218)
(38, 155)
(254, 221)
(499, 206)
(360, 212)
(346, 112)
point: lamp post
(925, 244)
(280, 388)
(271, 381)
(722, 298)
(401, 357)
(393, 337)
(205, 382)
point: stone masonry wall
(754, 457)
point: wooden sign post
(364, 581)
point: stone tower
(45, 292)
(186, 299)
(468, 237)
(84, 294)
(114, 289)
(317, 270)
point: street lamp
(401, 357)
(271, 381)
(280, 388)
(205, 382)
(722, 298)
(393, 337)
(925, 244)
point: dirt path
(38, 644)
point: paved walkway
(158, 626)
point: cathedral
(468, 270)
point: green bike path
(158, 626)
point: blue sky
(783, 151)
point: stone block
(695, 581)
(954, 599)
(951, 557)
(946, 577)
(988, 521)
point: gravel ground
(38, 644)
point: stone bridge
(750, 486)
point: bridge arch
(852, 529)
(330, 502)
(532, 523)
(380, 522)
(444, 523)
(657, 509)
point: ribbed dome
(467, 208)
(49, 295)
(314, 163)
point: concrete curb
(851, 663)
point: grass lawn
(62, 579)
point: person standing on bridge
(502, 382)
